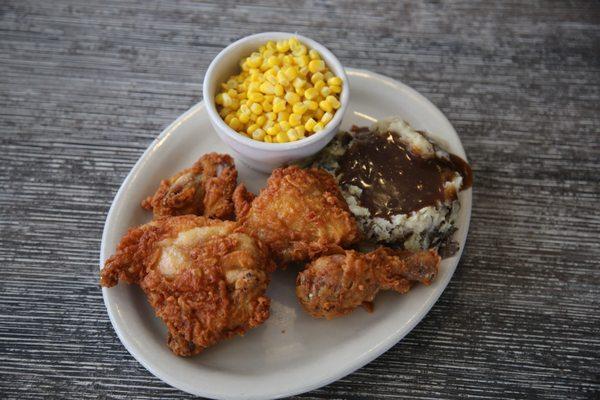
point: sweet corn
(257, 108)
(334, 81)
(299, 108)
(295, 119)
(326, 118)
(335, 103)
(310, 125)
(281, 137)
(284, 92)
(323, 105)
(292, 135)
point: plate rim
(381, 347)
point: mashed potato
(420, 228)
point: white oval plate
(292, 352)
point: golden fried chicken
(334, 285)
(205, 281)
(300, 214)
(204, 189)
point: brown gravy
(393, 179)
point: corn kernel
(272, 61)
(311, 93)
(319, 127)
(316, 66)
(244, 118)
(224, 111)
(261, 120)
(295, 119)
(283, 46)
(258, 134)
(268, 139)
(235, 124)
(334, 81)
(325, 91)
(271, 116)
(257, 108)
(267, 106)
(267, 88)
(328, 75)
(228, 118)
(283, 116)
(253, 87)
(326, 118)
(292, 98)
(298, 83)
(299, 108)
(279, 90)
(300, 130)
(311, 105)
(252, 128)
(335, 103)
(319, 85)
(273, 130)
(285, 126)
(256, 97)
(293, 43)
(316, 77)
(282, 78)
(255, 60)
(278, 105)
(313, 54)
(219, 99)
(292, 135)
(324, 105)
(303, 60)
(335, 89)
(281, 137)
(318, 114)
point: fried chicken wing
(334, 285)
(300, 214)
(204, 280)
(204, 189)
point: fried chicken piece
(205, 281)
(334, 285)
(204, 189)
(300, 214)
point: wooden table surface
(85, 86)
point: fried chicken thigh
(300, 214)
(205, 281)
(334, 285)
(204, 189)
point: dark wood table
(85, 86)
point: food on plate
(334, 285)
(206, 281)
(284, 92)
(299, 215)
(204, 189)
(400, 185)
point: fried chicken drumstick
(334, 285)
(300, 214)
(204, 189)
(205, 281)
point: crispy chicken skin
(204, 189)
(299, 215)
(334, 285)
(205, 281)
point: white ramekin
(264, 156)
